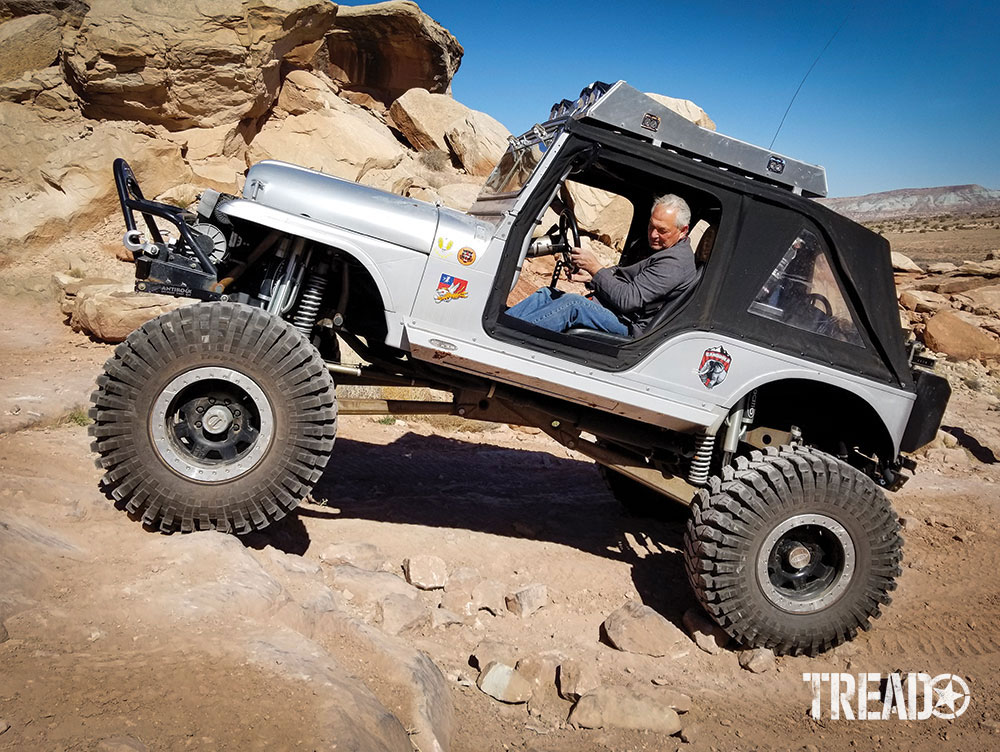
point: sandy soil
(121, 638)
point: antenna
(787, 109)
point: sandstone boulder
(941, 267)
(188, 63)
(386, 49)
(624, 708)
(112, 312)
(757, 660)
(426, 571)
(478, 141)
(303, 92)
(29, 43)
(527, 600)
(901, 263)
(686, 109)
(989, 268)
(459, 196)
(339, 140)
(636, 628)
(424, 118)
(577, 678)
(706, 634)
(923, 301)
(983, 300)
(69, 12)
(952, 285)
(504, 683)
(947, 332)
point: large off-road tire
(637, 500)
(213, 416)
(792, 550)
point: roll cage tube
(131, 199)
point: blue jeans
(563, 311)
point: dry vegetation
(949, 237)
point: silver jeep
(774, 398)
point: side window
(803, 292)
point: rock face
(188, 64)
(28, 43)
(636, 628)
(56, 178)
(388, 48)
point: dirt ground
(123, 639)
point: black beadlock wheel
(792, 550)
(213, 416)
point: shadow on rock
(982, 453)
(435, 481)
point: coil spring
(702, 460)
(308, 308)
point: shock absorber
(702, 460)
(311, 300)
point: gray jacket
(636, 292)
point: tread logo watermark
(873, 697)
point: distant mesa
(917, 202)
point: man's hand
(585, 260)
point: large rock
(425, 118)
(112, 312)
(386, 49)
(988, 268)
(902, 263)
(189, 63)
(983, 300)
(55, 178)
(69, 12)
(686, 109)
(45, 91)
(338, 141)
(923, 301)
(303, 92)
(636, 628)
(478, 141)
(624, 708)
(948, 333)
(504, 683)
(28, 43)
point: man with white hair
(625, 298)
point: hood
(296, 190)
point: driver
(625, 298)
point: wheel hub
(212, 424)
(218, 419)
(806, 563)
(799, 557)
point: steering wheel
(567, 225)
(824, 304)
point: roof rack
(622, 107)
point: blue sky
(906, 96)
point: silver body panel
(435, 269)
